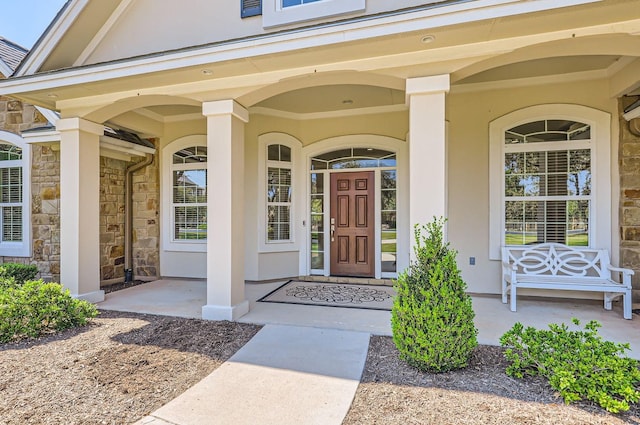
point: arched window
(189, 197)
(550, 177)
(547, 183)
(278, 157)
(279, 192)
(184, 194)
(14, 196)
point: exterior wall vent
(250, 8)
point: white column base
(223, 312)
(92, 297)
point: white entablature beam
(625, 80)
(456, 56)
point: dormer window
(285, 12)
(289, 3)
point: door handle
(333, 229)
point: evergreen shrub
(432, 316)
(19, 272)
(578, 364)
(36, 308)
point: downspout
(128, 214)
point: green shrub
(578, 364)
(432, 316)
(36, 308)
(20, 272)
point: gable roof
(11, 54)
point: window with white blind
(14, 196)
(278, 191)
(547, 183)
(550, 177)
(189, 194)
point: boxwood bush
(578, 364)
(432, 316)
(35, 308)
(19, 272)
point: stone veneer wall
(112, 172)
(146, 225)
(146, 228)
(45, 190)
(629, 154)
(16, 116)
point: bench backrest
(558, 260)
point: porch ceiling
(544, 67)
(333, 98)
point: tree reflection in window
(189, 172)
(547, 184)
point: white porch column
(225, 216)
(427, 149)
(80, 207)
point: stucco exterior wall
(469, 115)
(263, 265)
(214, 21)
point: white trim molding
(601, 230)
(295, 145)
(167, 220)
(20, 249)
(401, 148)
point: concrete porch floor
(185, 298)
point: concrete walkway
(284, 375)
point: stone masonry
(629, 154)
(45, 190)
(112, 217)
(16, 116)
(146, 226)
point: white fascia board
(359, 29)
(48, 136)
(5, 70)
(124, 146)
(51, 38)
(102, 32)
(51, 116)
(634, 113)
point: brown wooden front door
(352, 224)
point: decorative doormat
(373, 297)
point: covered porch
(185, 298)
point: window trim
(295, 145)
(168, 217)
(600, 226)
(273, 14)
(20, 249)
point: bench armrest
(509, 272)
(626, 273)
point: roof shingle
(11, 53)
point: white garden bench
(558, 266)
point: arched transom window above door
(353, 158)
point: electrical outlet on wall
(472, 261)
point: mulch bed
(392, 392)
(115, 371)
(123, 366)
